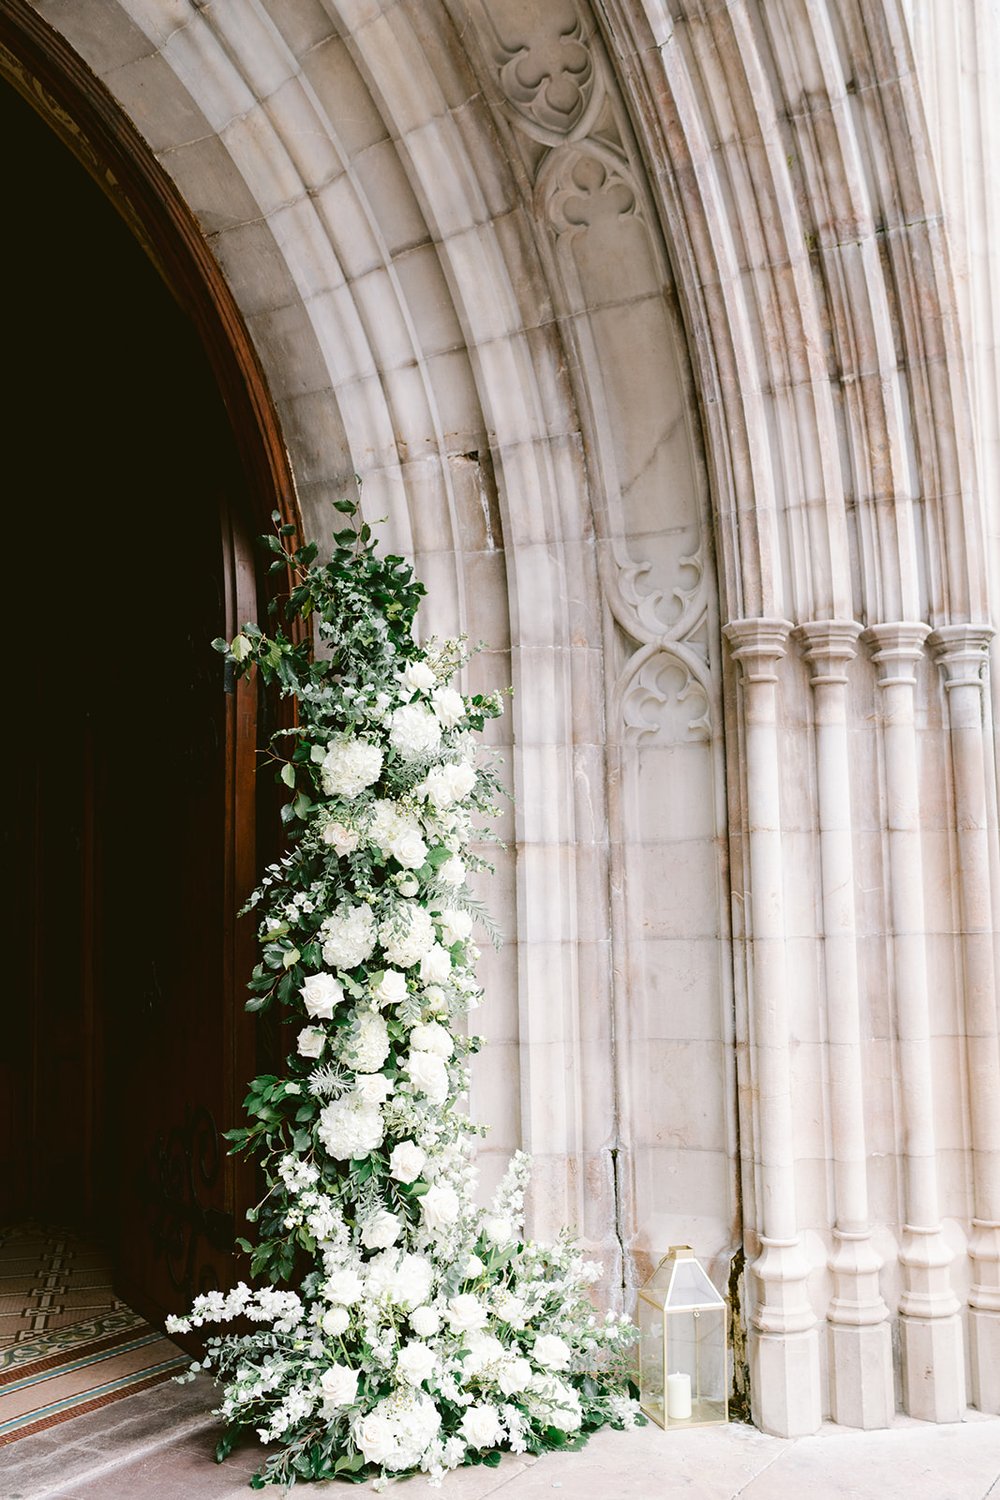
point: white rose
(334, 1321)
(349, 766)
(416, 1362)
(344, 840)
(439, 1206)
(497, 1230)
(409, 849)
(436, 1000)
(311, 1041)
(321, 994)
(456, 927)
(425, 1321)
(391, 988)
(339, 1385)
(465, 1312)
(429, 1075)
(343, 1287)
(432, 1038)
(373, 1088)
(435, 966)
(417, 677)
(513, 1375)
(406, 884)
(551, 1352)
(414, 732)
(407, 1161)
(350, 1129)
(452, 872)
(482, 1349)
(449, 707)
(368, 1045)
(381, 1230)
(555, 1402)
(473, 1267)
(509, 1309)
(375, 1435)
(414, 1279)
(480, 1425)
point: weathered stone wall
(665, 337)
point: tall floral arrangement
(425, 1332)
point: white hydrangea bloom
(349, 766)
(407, 935)
(414, 732)
(350, 1129)
(367, 1047)
(348, 935)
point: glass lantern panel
(696, 1370)
(651, 1360)
(690, 1286)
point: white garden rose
(350, 1129)
(498, 1230)
(510, 1309)
(554, 1402)
(513, 1375)
(349, 766)
(449, 707)
(407, 1161)
(339, 1385)
(436, 1000)
(381, 1230)
(417, 677)
(416, 1362)
(348, 935)
(456, 927)
(342, 839)
(435, 966)
(373, 1088)
(311, 1041)
(406, 935)
(425, 1321)
(413, 1281)
(429, 1075)
(343, 1287)
(368, 1044)
(431, 1037)
(481, 1426)
(375, 1435)
(391, 988)
(321, 994)
(482, 1350)
(465, 1312)
(414, 732)
(452, 872)
(408, 848)
(398, 1432)
(551, 1352)
(473, 1267)
(440, 1206)
(334, 1321)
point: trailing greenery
(427, 1333)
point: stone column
(861, 1383)
(930, 1327)
(784, 1345)
(963, 653)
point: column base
(933, 1368)
(861, 1384)
(984, 1353)
(784, 1382)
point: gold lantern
(683, 1363)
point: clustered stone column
(861, 1382)
(962, 652)
(784, 1345)
(930, 1328)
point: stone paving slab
(910, 1461)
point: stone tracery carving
(583, 185)
(552, 84)
(663, 692)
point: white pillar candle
(679, 1396)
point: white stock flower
(342, 1287)
(440, 1206)
(339, 1385)
(348, 935)
(551, 1352)
(381, 1230)
(449, 707)
(435, 965)
(349, 766)
(343, 840)
(452, 872)
(391, 988)
(456, 927)
(311, 1041)
(407, 1161)
(321, 994)
(414, 732)
(350, 1129)
(425, 1321)
(432, 1037)
(480, 1426)
(406, 935)
(429, 1075)
(465, 1312)
(416, 1362)
(368, 1045)
(334, 1321)
(417, 677)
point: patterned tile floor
(49, 1278)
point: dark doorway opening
(128, 767)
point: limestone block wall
(663, 336)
